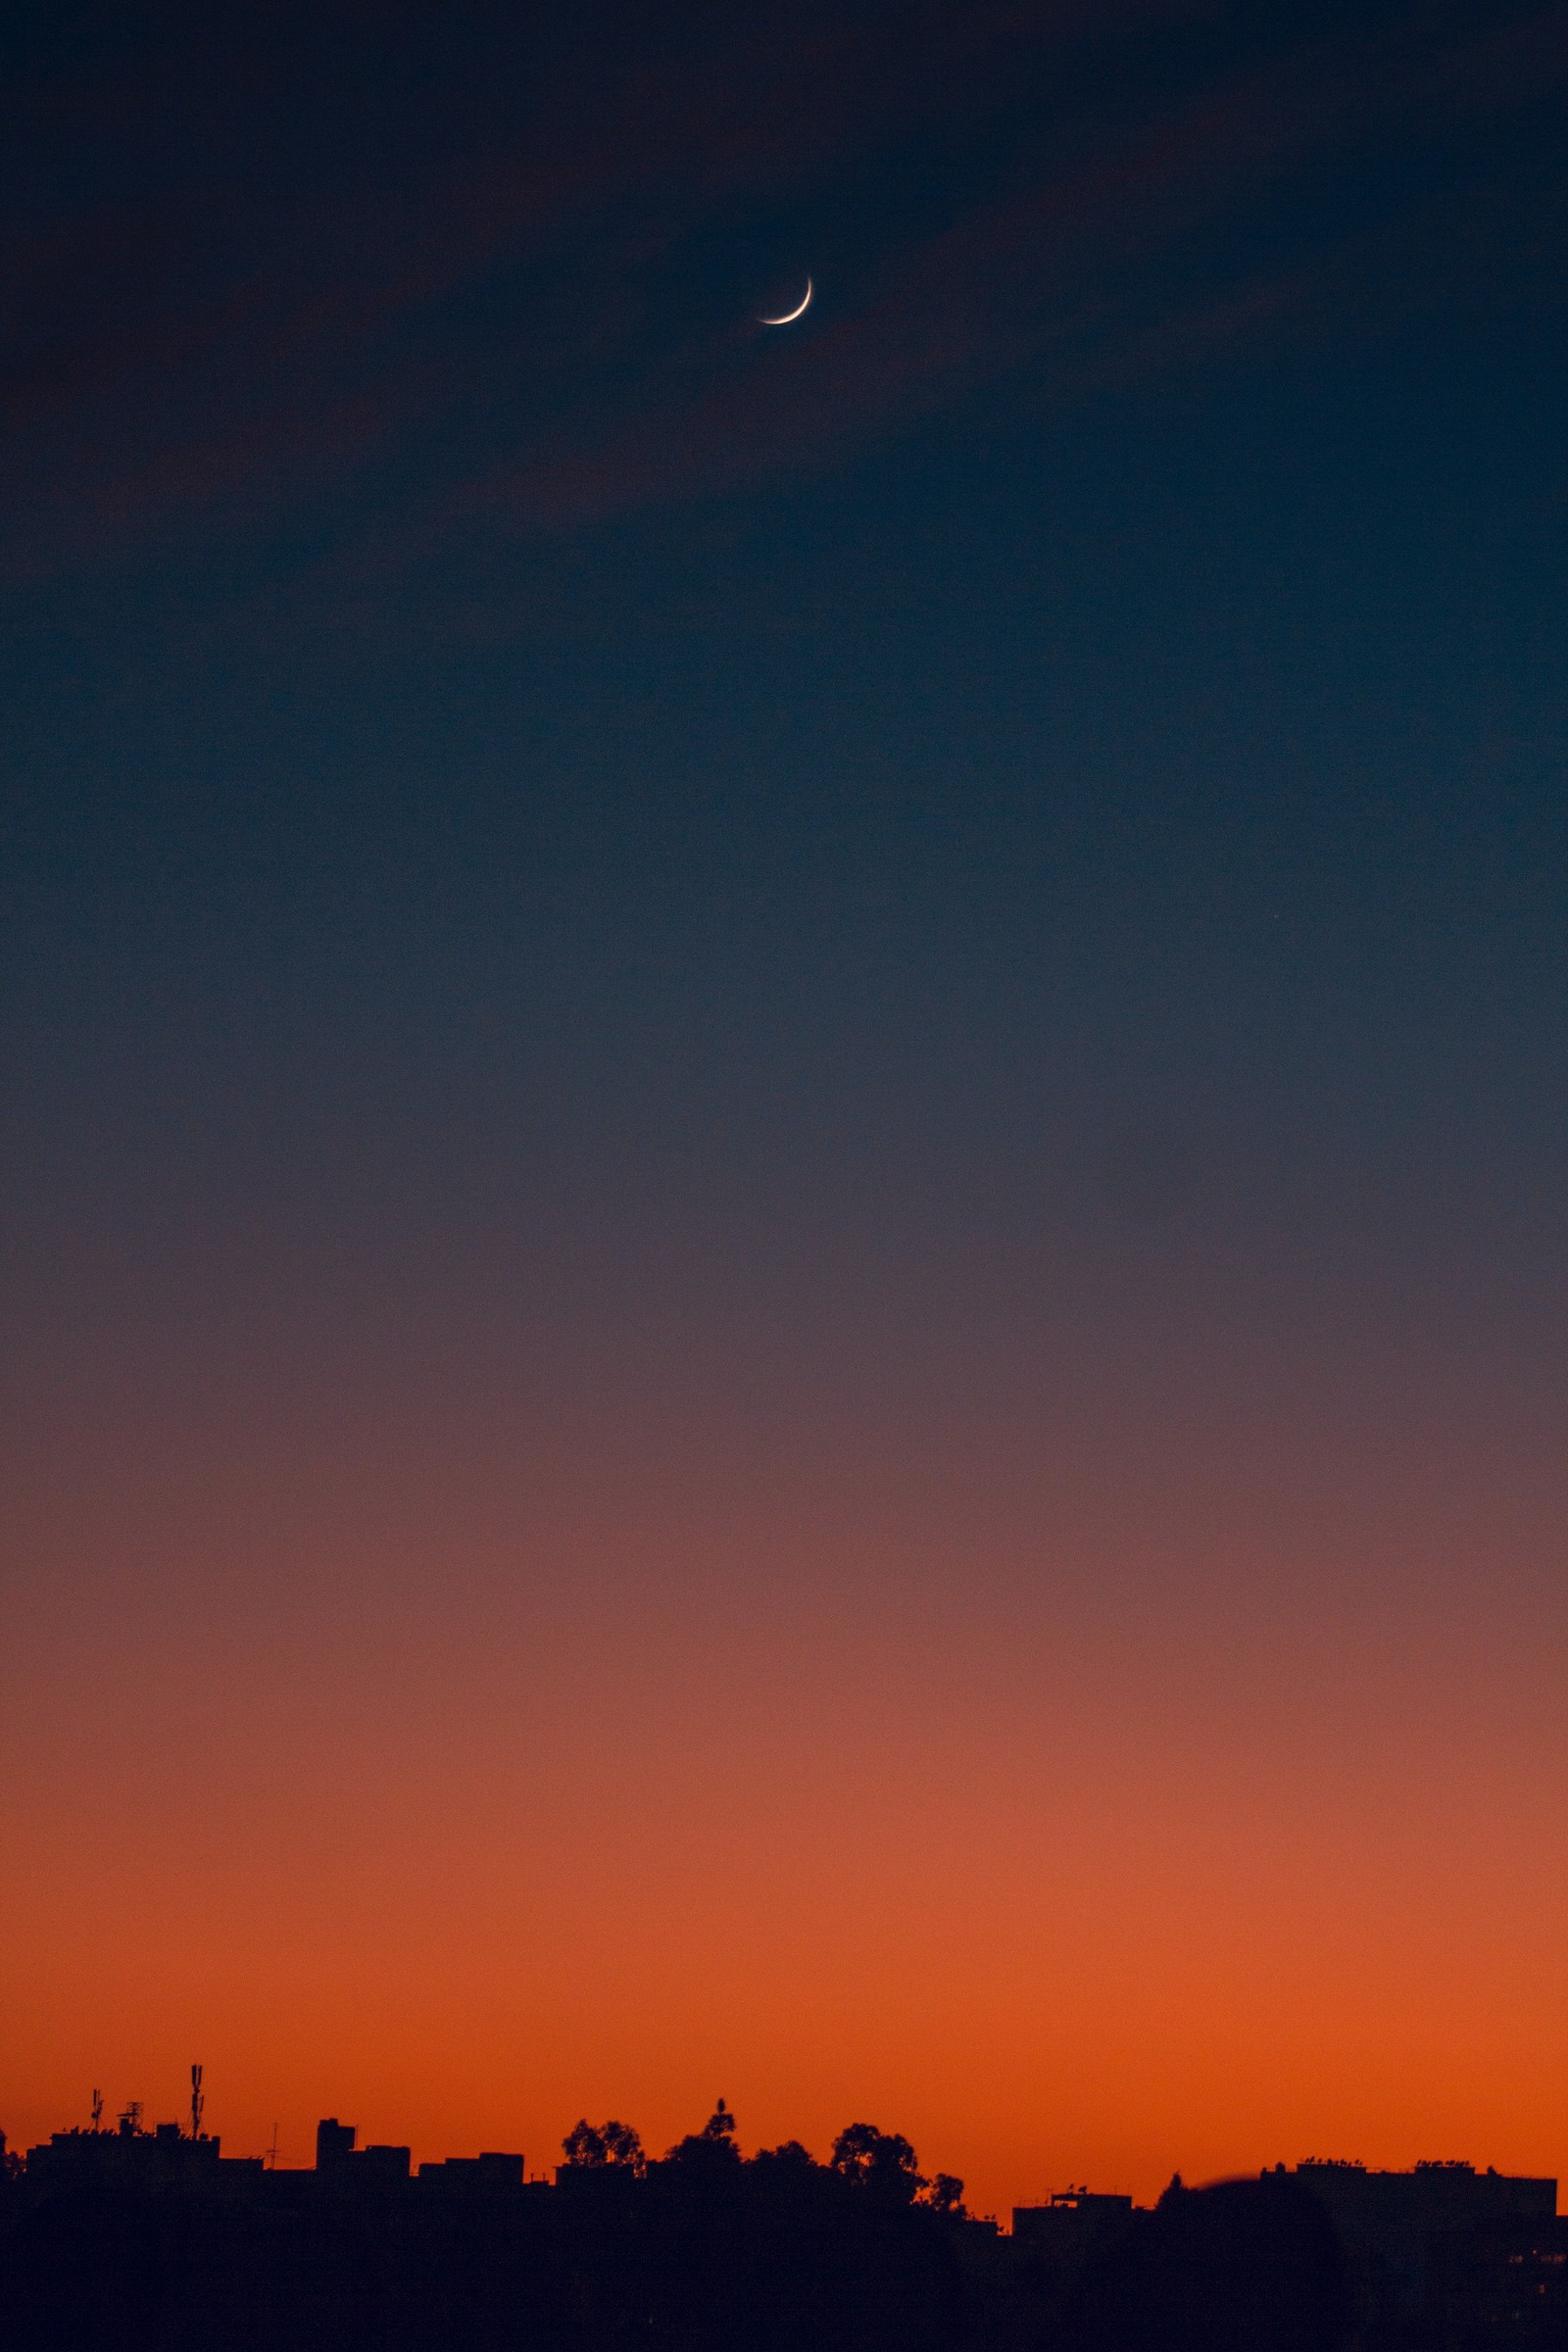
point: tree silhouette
(946, 2196)
(882, 2163)
(603, 2148)
(789, 2159)
(713, 2144)
(720, 2125)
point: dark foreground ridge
(155, 2241)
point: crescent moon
(789, 316)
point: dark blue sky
(1067, 740)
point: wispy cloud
(1127, 262)
(495, 320)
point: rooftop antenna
(197, 2102)
(272, 2153)
(97, 2110)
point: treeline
(879, 2164)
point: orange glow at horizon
(1076, 1842)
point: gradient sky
(783, 1114)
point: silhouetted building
(490, 2173)
(343, 2166)
(334, 2143)
(164, 2158)
(1074, 2226)
(1446, 2254)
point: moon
(789, 316)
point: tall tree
(882, 2163)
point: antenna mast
(197, 2102)
(97, 2110)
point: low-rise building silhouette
(1071, 2229)
(1484, 2250)
(490, 2173)
(341, 2163)
(164, 2158)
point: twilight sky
(782, 1113)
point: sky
(782, 1116)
